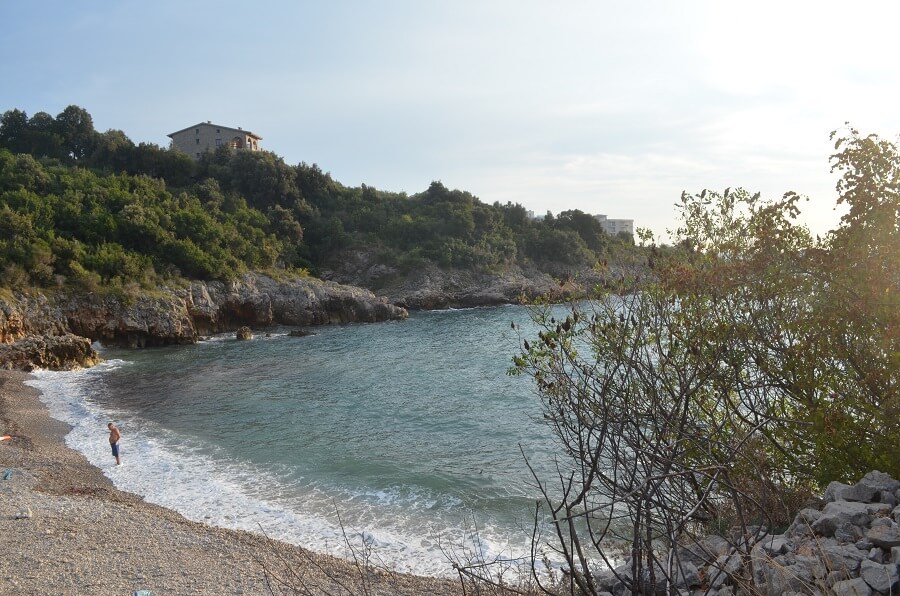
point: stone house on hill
(206, 136)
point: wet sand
(86, 537)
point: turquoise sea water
(404, 434)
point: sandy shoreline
(86, 537)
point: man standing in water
(114, 436)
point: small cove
(409, 430)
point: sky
(611, 108)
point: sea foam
(198, 480)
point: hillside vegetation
(92, 209)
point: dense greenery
(92, 207)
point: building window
(218, 131)
(198, 141)
(218, 142)
(198, 155)
(197, 130)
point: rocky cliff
(430, 287)
(40, 330)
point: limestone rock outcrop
(168, 316)
(55, 352)
(430, 287)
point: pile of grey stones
(850, 547)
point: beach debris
(7, 474)
(24, 513)
(5, 438)
(143, 593)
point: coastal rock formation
(430, 287)
(169, 316)
(259, 301)
(23, 314)
(244, 334)
(56, 352)
(849, 546)
(133, 322)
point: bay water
(406, 436)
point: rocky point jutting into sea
(431, 287)
(55, 330)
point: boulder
(860, 491)
(835, 491)
(780, 575)
(852, 587)
(703, 552)
(244, 334)
(881, 578)
(802, 524)
(879, 481)
(775, 545)
(839, 558)
(723, 569)
(842, 515)
(884, 536)
(688, 576)
(52, 352)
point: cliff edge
(55, 330)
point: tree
(112, 151)
(859, 312)
(261, 178)
(283, 225)
(44, 141)
(75, 127)
(585, 225)
(14, 131)
(756, 365)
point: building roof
(210, 124)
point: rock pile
(850, 546)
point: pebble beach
(65, 529)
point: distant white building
(614, 226)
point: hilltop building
(614, 226)
(206, 136)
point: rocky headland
(431, 287)
(54, 330)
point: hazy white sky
(607, 107)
